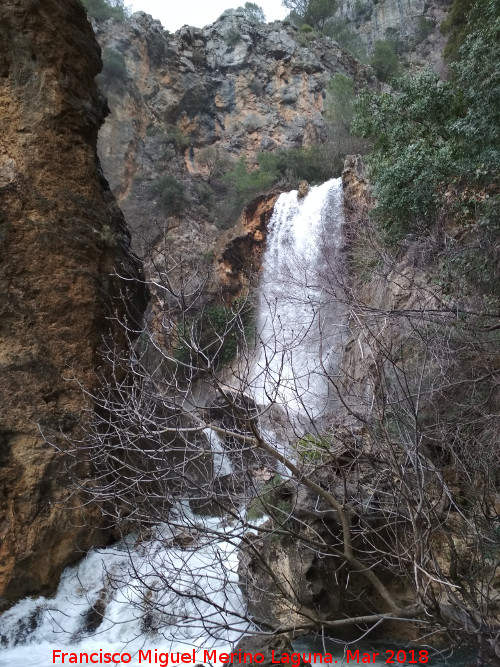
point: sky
(175, 13)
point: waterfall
(104, 601)
(298, 318)
(115, 599)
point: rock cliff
(62, 238)
(235, 88)
(411, 25)
(240, 249)
(182, 104)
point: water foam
(297, 318)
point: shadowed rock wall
(61, 238)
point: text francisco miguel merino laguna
(157, 657)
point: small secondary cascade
(102, 602)
(298, 319)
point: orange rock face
(61, 239)
(239, 251)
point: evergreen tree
(433, 137)
(311, 12)
(253, 12)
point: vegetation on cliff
(231, 185)
(253, 12)
(437, 149)
(314, 13)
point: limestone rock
(400, 22)
(239, 251)
(287, 581)
(358, 200)
(303, 189)
(234, 86)
(304, 584)
(62, 238)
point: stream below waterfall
(111, 599)
(116, 582)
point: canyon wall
(62, 238)
(411, 25)
(235, 88)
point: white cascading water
(298, 319)
(203, 610)
(221, 459)
(296, 326)
(37, 626)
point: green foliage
(455, 27)
(437, 144)
(243, 185)
(205, 193)
(210, 339)
(314, 13)
(318, 16)
(253, 12)
(100, 10)
(362, 12)
(384, 60)
(410, 155)
(114, 68)
(393, 37)
(339, 104)
(312, 449)
(319, 11)
(425, 28)
(339, 111)
(489, 214)
(232, 36)
(474, 262)
(176, 138)
(315, 164)
(170, 194)
(274, 499)
(305, 38)
(297, 7)
(157, 45)
(291, 165)
(236, 186)
(477, 80)
(231, 186)
(339, 30)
